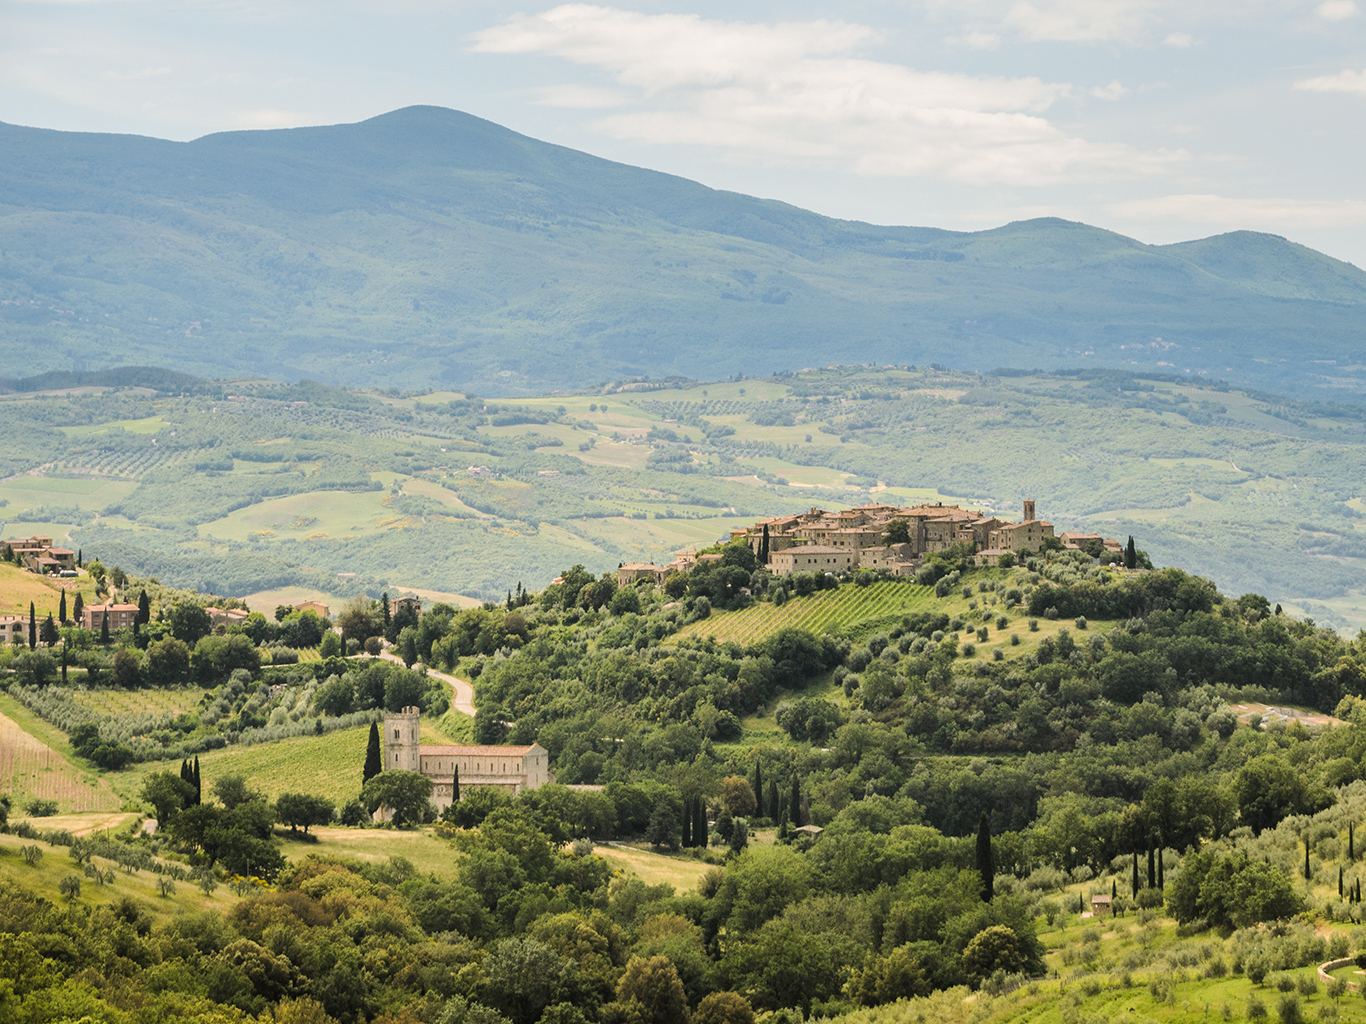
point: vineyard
(30, 768)
(328, 765)
(108, 703)
(850, 609)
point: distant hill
(429, 247)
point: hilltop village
(890, 538)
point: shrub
(37, 808)
(1034, 625)
(1256, 1009)
(1288, 1010)
(1081, 622)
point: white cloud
(982, 40)
(1179, 41)
(794, 92)
(1080, 21)
(1273, 214)
(1343, 81)
(1337, 10)
(1113, 91)
(584, 97)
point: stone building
(512, 769)
(121, 616)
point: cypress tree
(1339, 881)
(61, 609)
(374, 764)
(455, 786)
(699, 829)
(1114, 893)
(144, 609)
(1135, 874)
(686, 837)
(794, 803)
(32, 628)
(384, 601)
(1351, 842)
(758, 787)
(63, 663)
(1358, 890)
(78, 609)
(986, 867)
(80, 559)
(763, 547)
(1131, 554)
(104, 628)
(1161, 870)
(1152, 868)
(1307, 875)
(773, 800)
(198, 783)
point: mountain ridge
(427, 246)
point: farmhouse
(511, 769)
(36, 554)
(121, 616)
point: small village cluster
(887, 537)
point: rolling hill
(429, 247)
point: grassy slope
(18, 588)
(31, 768)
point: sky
(1159, 119)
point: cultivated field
(30, 768)
(328, 765)
(318, 514)
(827, 611)
(139, 702)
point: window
(395, 734)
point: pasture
(316, 515)
(829, 611)
(90, 493)
(18, 588)
(683, 873)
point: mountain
(428, 247)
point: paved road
(462, 695)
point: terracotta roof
(456, 750)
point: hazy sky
(1164, 120)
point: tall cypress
(686, 837)
(63, 663)
(1339, 881)
(699, 828)
(1135, 874)
(758, 789)
(1161, 870)
(794, 803)
(455, 786)
(104, 628)
(384, 603)
(1152, 869)
(78, 609)
(144, 609)
(774, 811)
(986, 866)
(374, 764)
(32, 628)
(61, 609)
(1131, 554)
(763, 547)
(1351, 842)
(1307, 875)
(198, 783)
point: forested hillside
(983, 761)
(427, 246)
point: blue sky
(1159, 119)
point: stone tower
(402, 745)
(1029, 510)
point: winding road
(462, 690)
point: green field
(314, 516)
(327, 766)
(863, 608)
(85, 493)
